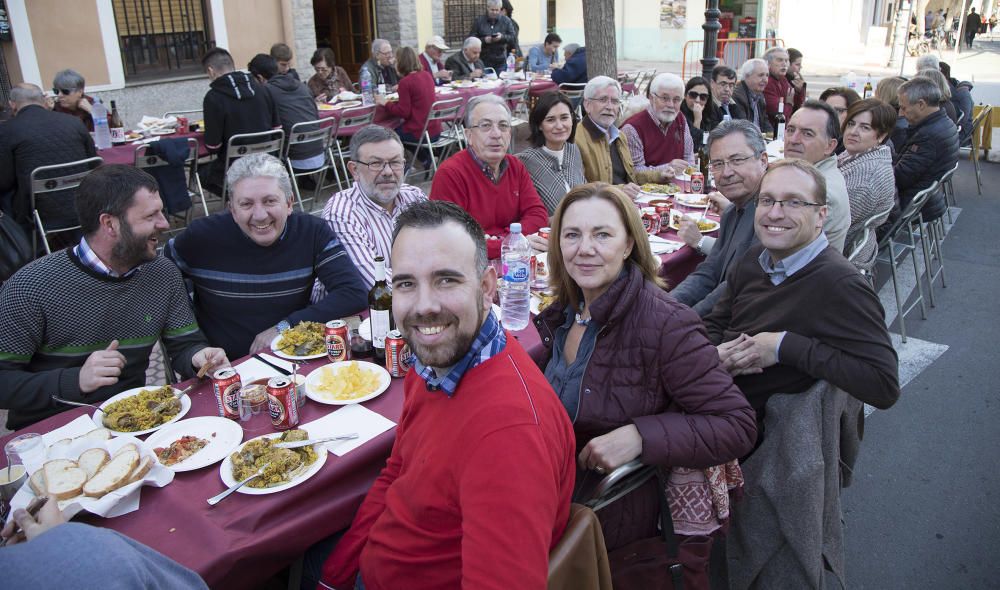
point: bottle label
(118, 135)
(781, 132)
(516, 271)
(380, 327)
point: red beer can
(182, 125)
(226, 384)
(338, 341)
(664, 212)
(282, 403)
(697, 183)
(397, 354)
(543, 232)
(651, 220)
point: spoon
(220, 497)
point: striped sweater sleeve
(181, 335)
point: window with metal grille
(458, 18)
(161, 38)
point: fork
(72, 403)
(220, 497)
(178, 394)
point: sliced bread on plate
(141, 470)
(92, 460)
(114, 474)
(37, 482)
(64, 479)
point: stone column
(396, 22)
(303, 44)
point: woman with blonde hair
(887, 90)
(942, 83)
(637, 375)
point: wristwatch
(701, 242)
(284, 325)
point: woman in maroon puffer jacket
(633, 367)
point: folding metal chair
(904, 228)
(244, 144)
(449, 113)
(183, 113)
(574, 92)
(517, 100)
(318, 133)
(977, 126)
(949, 191)
(47, 180)
(143, 160)
(351, 120)
(861, 242)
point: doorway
(347, 27)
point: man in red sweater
(493, 186)
(778, 87)
(477, 489)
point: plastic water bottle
(102, 132)
(511, 60)
(515, 297)
(367, 92)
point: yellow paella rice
(305, 339)
(136, 413)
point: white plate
(292, 357)
(226, 471)
(312, 382)
(162, 131)
(715, 226)
(348, 104)
(699, 201)
(185, 408)
(223, 435)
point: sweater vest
(658, 147)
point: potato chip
(347, 382)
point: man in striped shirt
(363, 216)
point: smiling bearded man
(476, 491)
(252, 266)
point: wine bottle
(380, 310)
(779, 121)
(116, 125)
(867, 93)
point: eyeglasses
(606, 100)
(717, 166)
(702, 96)
(768, 202)
(62, 91)
(378, 165)
(729, 85)
(487, 126)
(664, 98)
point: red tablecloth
(125, 154)
(246, 539)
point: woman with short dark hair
(867, 168)
(554, 163)
(697, 109)
(329, 79)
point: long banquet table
(245, 539)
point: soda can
(338, 341)
(650, 220)
(664, 212)
(543, 232)
(182, 124)
(397, 354)
(226, 385)
(282, 403)
(697, 183)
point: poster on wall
(673, 14)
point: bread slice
(64, 479)
(59, 445)
(37, 482)
(92, 460)
(113, 475)
(97, 434)
(128, 447)
(141, 470)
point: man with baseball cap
(431, 59)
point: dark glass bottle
(116, 125)
(380, 310)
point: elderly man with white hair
(928, 62)
(465, 64)
(778, 90)
(658, 137)
(382, 65)
(749, 93)
(252, 265)
(603, 147)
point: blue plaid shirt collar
(89, 258)
(490, 341)
(486, 167)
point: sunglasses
(697, 95)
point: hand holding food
(47, 517)
(538, 243)
(101, 368)
(208, 359)
(689, 232)
(719, 201)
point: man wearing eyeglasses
(659, 138)
(778, 87)
(492, 185)
(723, 85)
(382, 65)
(738, 160)
(794, 310)
(603, 147)
(363, 216)
(251, 267)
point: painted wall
(13, 63)
(530, 15)
(843, 25)
(253, 26)
(62, 43)
(639, 35)
(425, 23)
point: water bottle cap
(515, 228)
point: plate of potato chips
(347, 382)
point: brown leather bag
(580, 561)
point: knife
(274, 366)
(314, 441)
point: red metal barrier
(731, 52)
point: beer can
(338, 341)
(226, 385)
(664, 213)
(650, 220)
(697, 183)
(282, 403)
(397, 354)
(182, 124)
(543, 232)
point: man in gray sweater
(738, 162)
